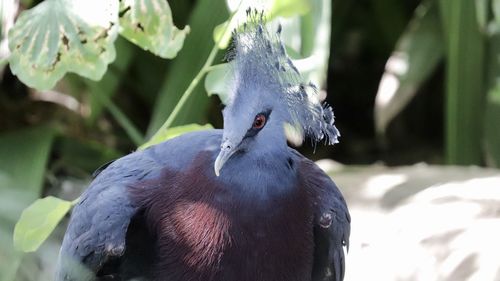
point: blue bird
(236, 204)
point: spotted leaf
(60, 36)
(149, 24)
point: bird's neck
(261, 174)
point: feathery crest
(260, 55)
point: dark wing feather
(106, 217)
(97, 229)
(332, 223)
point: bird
(232, 204)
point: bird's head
(269, 101)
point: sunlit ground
(422, 222)
(408, 223)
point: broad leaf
(482, 11)
(8, 11)
(492, 113)
(312, 68)
(60, 36)
(108, 85)
(417, 54)
(465, 50)
(315, 31)
(187, 64)
(492, 134)
(272, 9)
(38, 221)
(149, 24)
(390, 17)
(23, 158)
(174, 132)
(216, 81)
(496, 10)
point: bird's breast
(206, 231)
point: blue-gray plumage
(231, 204)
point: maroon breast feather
(207, 231)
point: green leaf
(312, 68)
(417, 54)
(8, 11)
(184, 68)
(38, 221)
(492, 114)
(174, 132)
(83, 154)
(496, 10)
(482, 10)
(149, 24)
(60, 36)
(390, 17)
(122, 119)
(464, 82)
(315, 30)
(272, 9)
(109, 83)
(492, 134)
(23, 158)
(288, 8)
(216, 81)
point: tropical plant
(465, 34)
(92, 39)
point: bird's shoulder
(99, 221)
(114, 182)
(173, 154)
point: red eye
(259, 121)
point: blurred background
(415, 87)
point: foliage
(155, 33)
(23, 160)
(38, 221)
(271, 9)
(184, 68)
(416, 56)
(164, 135)
(214, 82)
(492, 113)
(60, 36)
(466, 31)
(312, 63)
(463, 137)
(133, 95)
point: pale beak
(226, 151)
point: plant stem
(189, 90)
(122, 119)
(206, 68)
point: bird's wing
(331, 223)
(97, 230)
